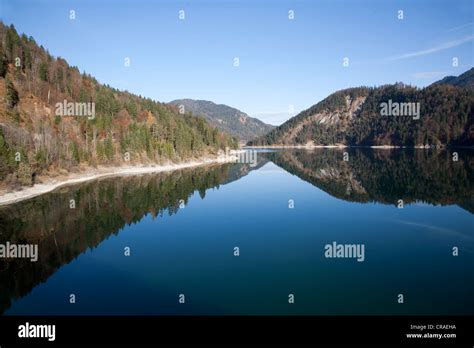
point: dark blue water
(190, 250)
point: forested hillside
(125, 128)
(353, 117)
(226, 118)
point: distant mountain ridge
(354, 117)
(465, 80)
(226, 118)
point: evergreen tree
(43, 72)
(11, 94)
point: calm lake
(410, 209)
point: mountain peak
(466, 80)
(353, 117)
(225, 118)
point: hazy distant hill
(125, 127)
(464, 80)
(226, 118)
(353, 117)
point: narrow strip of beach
(51, 184)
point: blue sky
(284, 64)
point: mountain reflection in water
(109, 206)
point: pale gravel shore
(101, 172)
(296, 147)
(341, 147)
